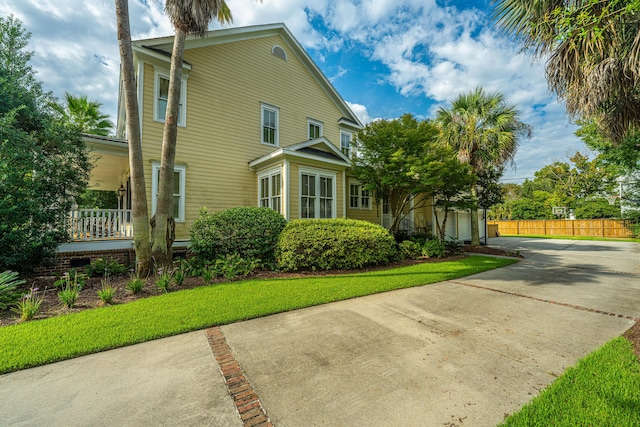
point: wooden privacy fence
(566, 227)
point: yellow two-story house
(259, 125)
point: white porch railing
(100, 224)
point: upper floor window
(179, 188)
(161, 97)
(315, 129)
(345, 143)
(269, 125)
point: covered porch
(109, 178)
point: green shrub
(102, 267)
(250, 232)
(29, 305)
(453, 247)
(135, 285)
(328, 244)
(434, 249)
(8, 294)
(410, 249)
(69, 295)
(106, 292)
(71, 278)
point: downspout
(285, 188)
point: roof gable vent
(279, 52)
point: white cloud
(361, 112)
(429, 51)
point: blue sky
(385, 57)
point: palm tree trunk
(163, 226)
(139, 210)
(475, 229)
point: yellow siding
(225, 87)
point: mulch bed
(633, 335)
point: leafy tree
(84, 115)
(402, 160)
(139, 208)
(188, 17)
(44, 166)
(596, 208)
(485, 132)
(591, 49)
(528, 209)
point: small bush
(233, 266)
(453, 247)
(8, 294)
(71, 278)
(102, 267)
(328, 244)
(250, 232)
(164, 280)
(434, 249)
(135, 285)
(69, 295)
(29, 305)
(107, 292)
(410, 249)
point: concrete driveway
(459, 353)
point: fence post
(602, 226)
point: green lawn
(601, 239)
(44, 341)
(603, 389)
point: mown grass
(602, 389)
(601, 239)
(58, 338)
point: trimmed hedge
(250, 232)
(327, 244)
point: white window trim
(263, 107)
(350, 134)
(318, 173)
(316, 123)
(268, 174)
(360, 197)
(155, 167)
(182, 117)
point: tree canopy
(83, 114)
(592, 54)
(485, 131)
(402, 160)
(44, 165)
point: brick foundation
(64, 261)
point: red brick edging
(576, 307)
(246, 400)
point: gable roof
(319, 149)
(160, 48)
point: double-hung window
(161, 97)
(314, 129)
(345, 143)
(359, 197)
(317, 195)
(179, 188)
(269, 125)
(270, 190)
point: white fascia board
(156, 55)
(255, 163)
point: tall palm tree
(84, 114)
(592, 53)
(188, 17)
(139, 209)
(485, 132)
